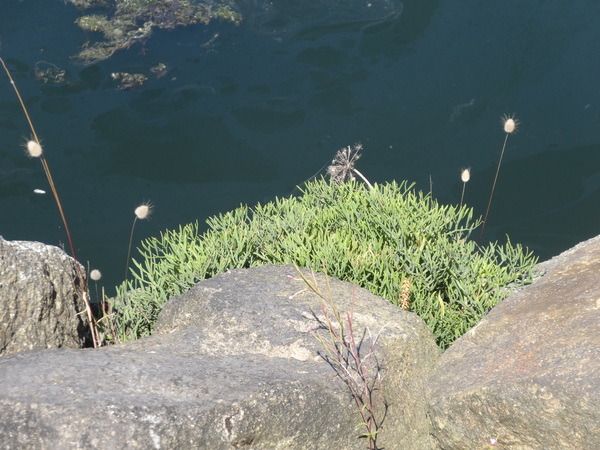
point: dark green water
(246, 113)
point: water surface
(245, 113)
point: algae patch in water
(122, 23)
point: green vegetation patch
(392, 240)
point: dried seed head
(34, 149)
(404, 302)
(510, 124)
(143, 211)
(465, 175)
(95, 275)
(343, 164)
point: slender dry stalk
(34, 148)
(141, 212)
(465, 176)
(510, 125)
(95, 276)
(107, 314)
(430, 191)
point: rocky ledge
(235, 363)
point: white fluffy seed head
(510, 124)
(143, 211)
(465, 175)
(34, 149)
(95, 274)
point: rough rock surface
(232, 365)
(38, 305)
(528, 374)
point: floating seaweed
(123, 23)
(49, 73)
(159, 70)
(128, 81)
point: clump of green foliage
(375, 238)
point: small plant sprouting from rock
(353, 358)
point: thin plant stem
(129, 247)
(108, 314)
(493, 188)
(142, 212)
(462, 196)
(363, 178)
(80, 277)
(430, 191)
(44, 162)
(465, 176)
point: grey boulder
(528, 375)
(233, 364)
(39, 305)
